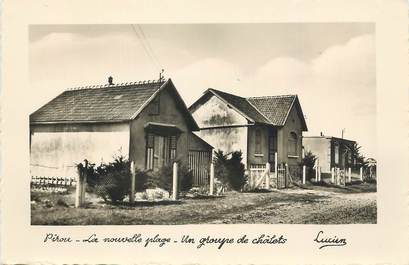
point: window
(349, 157)
(160, 150)
(173, 144)
(292, 144)
(258, 141)
(272, 146)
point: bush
(141, 180)
(163, 178)
(185, 178)
(110, 181)
(309, 162)
(220, 167)
(230, 171)
(235, 168)
(61, 202)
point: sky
(330, 66)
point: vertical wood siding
(199, 163)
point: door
(272, 148)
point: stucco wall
(169, 113)
(293, 124)
(55, 149)
(215, 112)
(196, 144)
(227, 139)
(320, 147)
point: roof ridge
(267, 119)
(277, 96)
(216, 90)
(116, 85)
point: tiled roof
(242, 105)
(110, 103)
(274, 108)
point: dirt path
(308, 205)
(317, 207)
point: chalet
(148, 122)
(258, 126)
(331, 151)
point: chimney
(110, 81)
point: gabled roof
(241, 105)
(277, 108)
(272, 110)
(113, 103)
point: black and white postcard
(204, 133)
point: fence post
(175, 182)
(285, 176)
(250, 178)
(332, 176)
(78, 188)
(211, 179)
(345, 176)
(338, 176)
(267, 176)
(276, 164)
(132, 192)
(349, 175)
(319, 173)
(361, 175)
(84, 179)
(304, 169)
(316, 174)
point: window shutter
(173, 145)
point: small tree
(309, 161)
(220, 166)
(230, 171)
(235, 169)
(112, 181)
(357, 158)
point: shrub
(141, 180)
(35, 197)
(220, 167)
(163, 178)
(230, 171)
(309, 162)
(109, 181)
(235, 169)
(112, 181)
(61, 202)
(185, 178)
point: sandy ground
(311, 207)
(306, 205)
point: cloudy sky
(330, 66)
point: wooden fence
(52, 184)
(261, 176)
(282, 176)
(199, 163)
